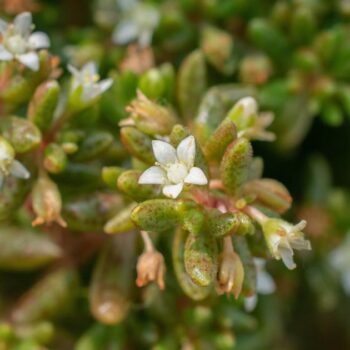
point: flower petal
(39, 40)
(125, 32)
(249, 105)
(163, 152)
(196, 176)
(30, 60)
(172, 191)
(186, 151)
(90, 92)
(89, 68)
(250, 302)
(4, 54)
(23, 24)
(74, 71)
(105, 84)
(18, 170)
(265, 283)
(300, 243)
(287, 257)
(299, 226)
(153, 175)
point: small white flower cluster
(138, 22)
(174, 167)
(245, 112)
(19, 43)
(283, 237)
(88, 80)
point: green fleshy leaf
(191, 83)
(235, 165)
(201, 258)
(192, 290)
(156, 215)
(138, 144)
(128, 183)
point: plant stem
(228, 246)
(255, 214)
(147, 241)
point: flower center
(90, 79)
(15, 44)
(177, 172)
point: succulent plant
(132, 194)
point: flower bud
(150, 268)
(150, 117)
(47, 202)
(231, 273)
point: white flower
(264, 284)
(138, 23)
(18, 42)
(87, 80)
(249, 123)
(174, 168)
(8, 164)
(339, 259)
(247, 106)
(282, 237)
